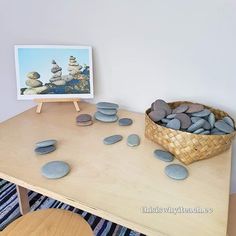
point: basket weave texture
(188, 147)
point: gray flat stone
(171, 116)
(161, 104)
(205, 132)
(157, 115)
(55, 169)
(195, 119)
(180, 109)
(109, 112)
(198, 131)
(174, 124)
(125, 121)
(112, 139)
(199, 124)
(212, 119)
(45, 150)
(133, 140)
(165, 120)
(163, 155)
(176, 171)
(105, 118)
(184, 119)
(206, 125)
(87, 123)
(83, 118)
(203, 113)
(107, 105)
(229, 121)
(195, 108)
(215, 131)
(46, 143)
(223, 126)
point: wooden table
(115, 182)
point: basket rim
(188, 133)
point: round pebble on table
(55, 169)
(174, 124)
(107, 105)
(83, 118)
(157, 115)
(223, 126)
(105, 118)
(229, 121)
(163, 155)
(176, 171)
(46, 143)
(109, 112)
(180, 109)
(45, 150)
(112, 139)
(133, 140)
(125, 121)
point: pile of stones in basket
(193, 118)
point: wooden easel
(41, 101)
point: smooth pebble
(173, 124)
(163, 155)
(133, 140)
(105, 118)
(184, 119)
(55, 169)
(109, 112)
(165, 120)
(195, 108)
(198, 131)
(125, 121)
(46, 143)
(112, 139)
(176, 171)
(83, 118)
(223, 126)
(196, 125)
(45, 150)
(212, 119)
(229, 121)
(171, 116)
(107, 105)
(180, 109)
(157, 115)
(203, 113)
(195, 119)
(161, 104)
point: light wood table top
(115, 182)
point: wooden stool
(232, 216)
(49, 222)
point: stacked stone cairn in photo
(106, 112)
(192, 118)
(57, 74)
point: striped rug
(9, 211)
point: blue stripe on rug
(9, 211)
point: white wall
(143, 50)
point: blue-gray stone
(165, 120)
(45, 150)
(109, 112)
(223, 126)
(105, 118)
(206, 132)
(163, 155)
(107, 105)
(195, 119)
(206, 125)
(133, 140)
(203, 113)
(125, 121)
(171, 116)
(198, 131)
(46, 143)
(215, 131)
(180, 109)
(176, 171)
(174, 124)
(229, 121)
(212, 119)
(196, 125)
(112, 139)
(55, 169)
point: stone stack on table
(192, 118)
(106, 112)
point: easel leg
(23, 199)
(39, 107)
(76, 106)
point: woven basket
(188, 147)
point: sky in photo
(40, 60)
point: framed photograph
(46, 71)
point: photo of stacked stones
(75, 81)
(192, 118)
(106, 112)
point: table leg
(23, 199)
